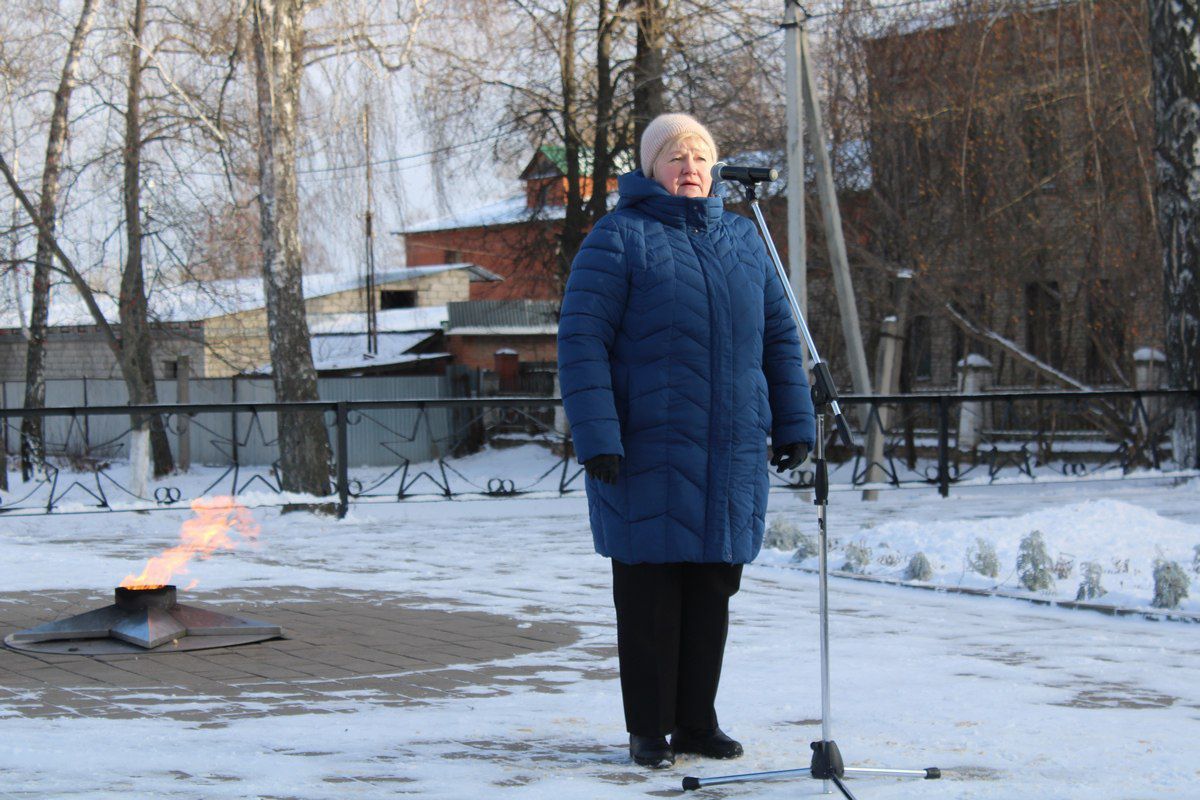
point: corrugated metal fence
(376, 437)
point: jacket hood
(649, 196)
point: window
(451, 257)
(1041, 140)
(1106, 334)
(1043, 322)
(394, 298)
(170, 369)
(919, 346)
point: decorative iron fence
(398, 450)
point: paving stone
(380, 646)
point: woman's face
(683, 168)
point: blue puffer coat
(677, 350)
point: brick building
(517, 237)
(1013, 173)
(518, 240)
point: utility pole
(831, 217)
(372, 323)
(796, 234)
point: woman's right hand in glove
(603, 467)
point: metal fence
(389, 450)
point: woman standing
(678, 355)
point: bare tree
(135, 325)
(648, 65)
(33, 448)
(1174, 32)
(277, 36)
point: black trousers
(672, 620)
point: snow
(342, 351)
(193, 300)
(1148, 354)
(975, 361)
(393, 320)
(1011, 700)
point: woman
(678, 354)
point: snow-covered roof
(508, 211)
(200, 300)
(345, 352)
(394, 320)
(340, 351)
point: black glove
(603, 467)
(789, 456)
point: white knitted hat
(666, 127)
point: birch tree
(33, 448)
(277, 40)
(135, 325)
(1175, 48)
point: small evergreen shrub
(858, 557)
(1120, 566)
(1170, 584)
(890, 558)
(1034, 565)
(806, 548)
(1196, 559)
(782, 534)
(981, 558)
(1063, 567)
(1089, 584)
(918, 569)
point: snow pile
(1127, 541)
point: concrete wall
(83, 352)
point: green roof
(555, 157)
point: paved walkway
(339, 644)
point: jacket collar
(649, 197)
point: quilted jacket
(677, 350)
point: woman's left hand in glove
(789, 456)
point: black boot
(651, 751)
(712, 744)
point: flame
(201, 536)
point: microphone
(725, 172)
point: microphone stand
(826, 764)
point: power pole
(372, 322)
(796, 234)
(831, 217)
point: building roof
(393, 320)
(349, 351)
(509, 211)
(550, 161)
(484, 317)
(200, 300)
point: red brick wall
(523, 254)
(479, 352)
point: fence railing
(395, 450)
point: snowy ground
(1011, 700)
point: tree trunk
(135, 327)
(304, 454)
(573, 222)
(647, 67)
(1174, 33)
(601, 155)
(33, 447)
